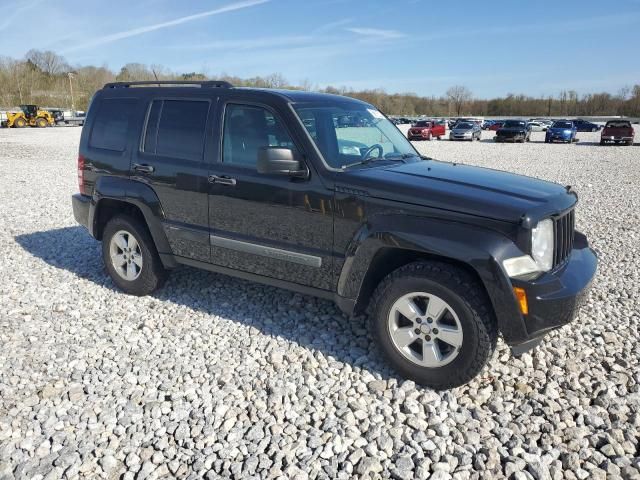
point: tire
(20, 123)
(475, 324)
(148, 269)
(602, 142)
(41, 123)
(439, 137)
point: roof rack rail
(199, 83)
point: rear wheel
(130, 256)
(41, 123)
(434, 323)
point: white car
(538, 127)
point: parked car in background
(514, 131)
(497, 125)
(466, 131)
(487, 123)
(546, 123)
(584, 126)
(617, 131)
(425, 130)
(561, 131)
(537, 127)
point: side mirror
(280, 161)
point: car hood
(462, 188)
(462, 130)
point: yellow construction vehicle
(30, 116)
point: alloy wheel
(425, 329)
(126, 255)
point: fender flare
(141, 196)
(440, 240)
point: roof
(305, 96)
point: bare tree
(459, 95)
(47, 61)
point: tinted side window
(246, 129)
(111, 125)
(181, 129)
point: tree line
(45, 78)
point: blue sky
(493, 47)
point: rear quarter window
(112, 122)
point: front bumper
(81, 206)
(558, 138)
(555, 297)
(515, 138)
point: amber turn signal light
(521, 295)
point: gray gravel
(219, 378)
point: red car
(425, 129)
(496, 126)
(617, 131)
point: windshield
(618, 124)
(563, 125)
(366, 134)
(463, 126)
(514, 124)
(422, 124)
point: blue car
(584, 126)
(561, 131)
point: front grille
(564, 228)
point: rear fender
(139, 195)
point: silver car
(466, 131)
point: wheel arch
(379, 253)
(388, 259)
(117, 195)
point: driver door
(270, 225)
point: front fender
(139, 195)
(479, 249)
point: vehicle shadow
(328, 330)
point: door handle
(142, 168)
(222, 180)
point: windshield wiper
(374, 159)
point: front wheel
(435, 324)
(130, 256)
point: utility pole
(73, 107)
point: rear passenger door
(171, 161)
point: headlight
(542, 244)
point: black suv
(267, 185)
(513, 131)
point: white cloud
(249, 44)
(158, 26)
(376, 33)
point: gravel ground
(219, 378)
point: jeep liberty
(270, 186)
